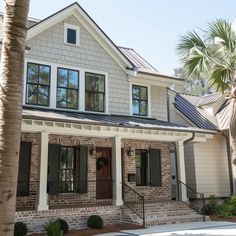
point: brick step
(163, 213)
(173, 219)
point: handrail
(134, 201)
(197, 193)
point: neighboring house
(95, 128)
(208, 165)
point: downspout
(177, 174)
(229, 163)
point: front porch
(81, 167)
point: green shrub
(20, 229)
(53, 228)
(226, 211)
(64, 226)
(95, 222)
(212, 206)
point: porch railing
(193, 198)
(134, 201)
(65, 194)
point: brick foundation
(75, 217)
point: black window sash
(139, 100)
(91, 91)
(38, 84)
(68, 88)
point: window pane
(44, 74)
(42, 95)
(143, 108)
(135, 93)
(32, 75)
(143, 93)
(71, 36)
(89, 105)
(62, 77)
(101, 84)
(72, 98)
(61, 97)
(70, 158)
(135, 108)
(73, 79)
(32, 94)
(89, 82)
(63, 158)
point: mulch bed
(220, 218)
(104, 229)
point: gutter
(176, 166)
(229, 162)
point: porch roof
(106, 120)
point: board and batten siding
(211, 164)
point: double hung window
(67, 88)
(139, 100)
(38, 84)
(94, 92)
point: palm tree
(213, 56)
(11, 87)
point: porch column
(117, 171)
(181, 170)
(43, 201)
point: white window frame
(53, 86)
(74, 27)
(131, 98)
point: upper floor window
(67, 88)
(72, 34)
(94, 92)
(38, 84)
(139, 100)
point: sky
(151, 27)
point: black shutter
(53, 166)
(155, 167)
(82, 169)
(24, 169)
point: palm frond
(188, 42)
(220, 32)
(220, 77)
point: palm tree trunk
(11, 87)
(232, 134)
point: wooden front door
(103, 173)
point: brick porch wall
(29, 202)
(150, 193)
(75, 217)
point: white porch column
(117, 171)
(181, 170)
(43, 201)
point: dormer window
(71, 34)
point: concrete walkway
(209, 228)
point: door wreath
(101, 162)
